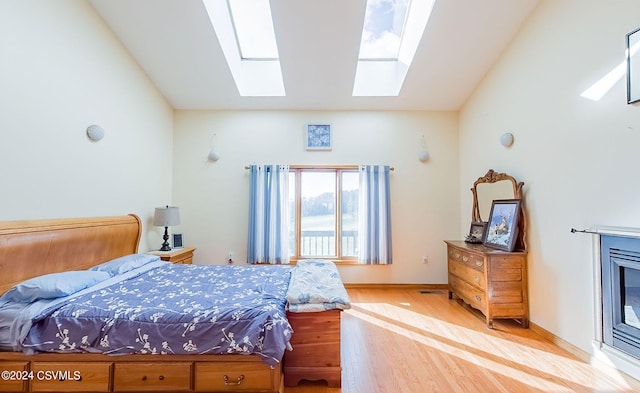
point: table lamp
(165, 217)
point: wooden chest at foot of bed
(316, 348)
(137, 373)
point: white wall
(62, 69)
(213, 197)
(577, 157)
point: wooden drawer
(468, 259)
(313, 355)
(71, 377)
(149, 377)
(506, 292)
(315, 327)
(17, 379)
(470, 294)
(237, 377)
(470, 275)
(186, 261)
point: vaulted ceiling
(318, 41)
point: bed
(34, 248)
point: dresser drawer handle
(161, 377)
(465, 258)
(478, 298)
(478, 263)
(144, 377)
(476, 279)
(226, 380)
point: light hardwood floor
(403, 341)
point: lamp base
(165, 245)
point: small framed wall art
(318, 136)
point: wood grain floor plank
(400, 340)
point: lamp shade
(166, 216)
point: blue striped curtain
(268, 214)
(374, 222)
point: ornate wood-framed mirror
(494, 185)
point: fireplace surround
(620, 267)
(616, 268)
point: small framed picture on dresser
(177, 240)
(502, 228)
(476, 232)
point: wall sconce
(166, 217)
(95, 132)
(506, 139)
(213, 154)
(423, 156)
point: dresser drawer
(237, 377)
(467, 259)
(470, 294)
(17, 377)
(150, 377)
(470, 275)
(71, 377)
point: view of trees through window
(328, 207)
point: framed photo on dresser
(502, 228)
(476, 232)
(177, 240)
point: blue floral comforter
(175, 309)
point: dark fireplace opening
(620, 258)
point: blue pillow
(125, 263)
(50, 286)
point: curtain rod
(607, 230)
(246, 167)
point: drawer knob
(144, 377)
(465, 258)
(478, 263)
(478, 298)
(238, 382)
(161, 377)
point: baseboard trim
(397, 286)
(572, 349)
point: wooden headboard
(35, 247)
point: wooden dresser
(492, 281)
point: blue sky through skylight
(383, 25)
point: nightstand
(177, 255)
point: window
(247, 38)
(323, 204)
(391, 33)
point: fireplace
(620, 264)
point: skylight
(383, 26)
(391, 34)
(254, 29)
(246, 34)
